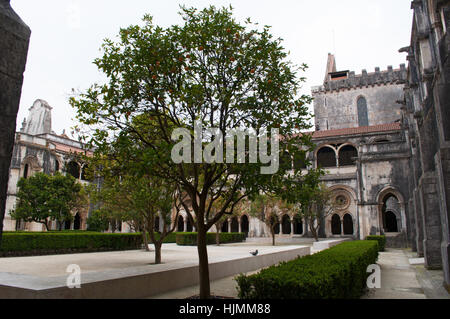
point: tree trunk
(158, 245)
(217, 235)
(145, 240)
(205, 291)
(273, 236)
(14, 49)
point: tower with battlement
(349, 100)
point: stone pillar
(14, 40)
(431, 222)
(239, 225)
(185, 224)
(292, 227)
(229, 225)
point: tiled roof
(358, 130)
(69, 149)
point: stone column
(185, 224)
(14, 40)
(239, 225)
(229, 225)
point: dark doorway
(348, 224)
(234, 225)
(298, 226)
(336, 225)
(67, 224)
(244, 225)
(188, 225)
(286, 225)
(25, 171)
(391, 222)
(224, 227)
(180, 224)
(73, 169)
(77, 222)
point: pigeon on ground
(254, 253)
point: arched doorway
(391, 222)
(244, 225)
(77, 222)
(348, 224)
(286, 225)
(391, 212)
(73, 169)
(298, 226)
(180, 224)
(224, 227)
(67, 224)
(336, 225)
(188, 225)
(234, 225)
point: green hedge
(381, 241)
(190, 239)
(171, 238)
(335, 273)
(32, 243)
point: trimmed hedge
(381, 241)
(335, 273)
(171, 238)
(190, 239)
(32, 243)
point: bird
(254, 253)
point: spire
(40, 118)
(331, 66)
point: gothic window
(348, 224)
(299, 161)
(326, 157)
(363, 117)
(347, 155)
(234, 225)
(286, 225)
(73, 169)
(336, 225)
(25, 171)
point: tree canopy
(212, 73)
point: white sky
(67, 34)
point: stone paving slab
(131, 274)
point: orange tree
(211, 70)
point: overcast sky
(67, 34)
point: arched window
(180, 224)
(363, 115)
(56, 165)
(348, 224)
(224, 227)
(25, 171)
(234, 225)
(299, 161)
(286, 225)
(77, 222)
(336, 225)
(347, 155)
(298, 225)
(244, 224)
(286, 161)
(73, 169)
(326, 157)
(188, 225)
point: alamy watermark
(213, 152)
(74, 279)
(374, 279)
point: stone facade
(38, 149)
(14, 41)
(427, 117)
